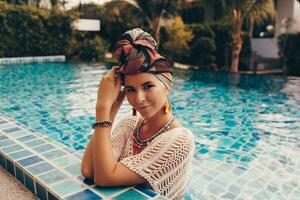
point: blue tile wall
(20, 175)
(83, 195)
(51, 170)
(29, 183)
(41, 192)
(10, 167)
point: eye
(148, 86)
(129, 90)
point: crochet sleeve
(119, 134)
(165, 162)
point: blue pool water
(245, 123)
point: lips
(143, 107)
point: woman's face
(145, 93)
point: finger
(118, 82)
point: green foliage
(202, 47)
(289, 49)
(114, 21)
(29, 31)
(178, 38)
(223, 41)
(87, 48)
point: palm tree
(154, 11)
(239, 10)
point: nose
(140, 97)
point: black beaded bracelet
(102, 124)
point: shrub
(88, 49)
(223, 42)
(177, 40)
(202, 47)
(30, 31)
(289, 51)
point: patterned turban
(137, 52)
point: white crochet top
(164, 163)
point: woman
(148, 146)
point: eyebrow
(148, 82)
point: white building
(287, 20)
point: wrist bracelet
(102, 124)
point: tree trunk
(250, 33)
(156, 29)
(236, 47)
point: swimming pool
(247, 128)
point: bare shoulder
(179, 128)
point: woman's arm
(99, 162)
(107, 171)
(87, 169)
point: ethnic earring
(133, 112)
(167, 107)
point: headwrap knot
(137, 52)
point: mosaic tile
(84, 195)
(54, 154)
(13, 148)
(29, 183)
(10, 167)
(78, 155)
(163, 198)
(10, 130)
(146, 190)
(2, 160)
(66, 187)
(69, 150)
(51, 196)
(40, 168)
(65, 161)
(44, 148)
(35, 143)
(130, 195)
(6, 126)
(228, 196)
(30, 161)
(75, 170)
(5, 143)
(18, 134)
(52, 177)
(3, 122)
(109, 191)
(41, 191)
(20, 175)
(20, 154)
(3, 137)
(26, 138)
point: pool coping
(33, 59)
(50, 169)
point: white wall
(287, 8)
(265, 47)
(296, 25)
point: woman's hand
(108, 90)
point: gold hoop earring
(167, 107)
(133, 112)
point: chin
(148, 114)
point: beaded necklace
(141, 144)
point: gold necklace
(141, 144)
